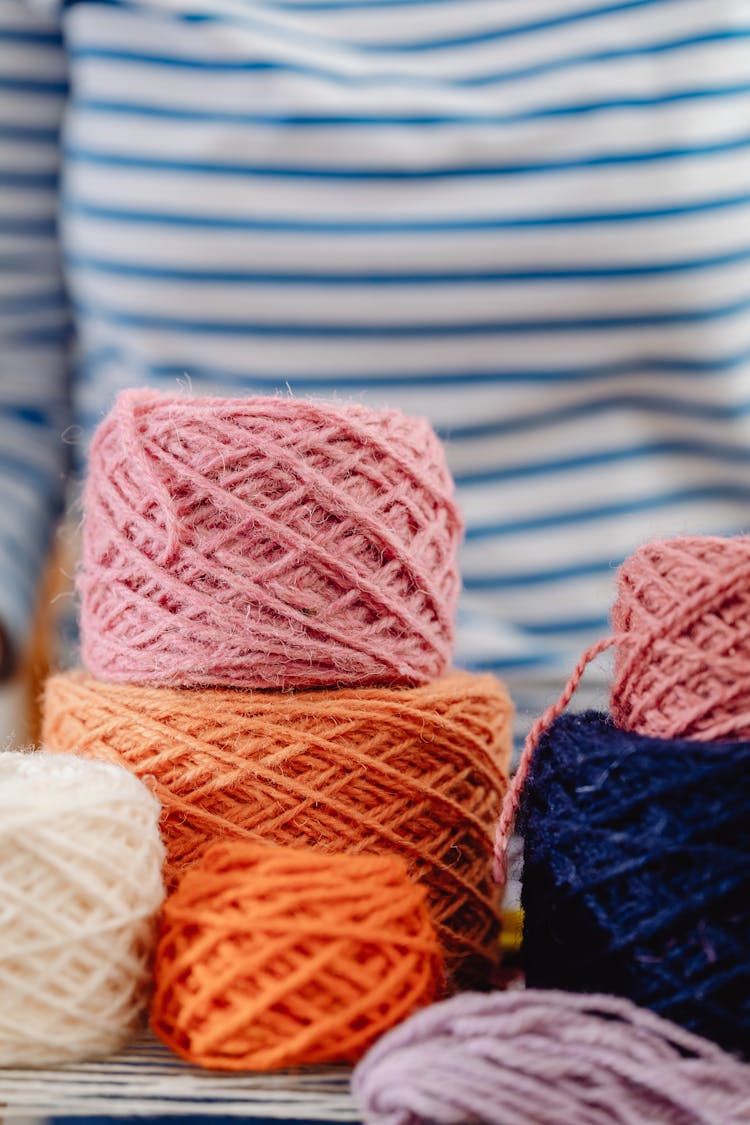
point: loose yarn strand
(135, 446)
(515, 789)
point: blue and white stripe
(529, 220)
(34, 325)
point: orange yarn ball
(276, 957)
(416, 772)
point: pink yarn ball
(266, 543)
(682, 623)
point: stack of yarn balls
(637, 825)
(268, 594)
(636, 888)
(268, 591)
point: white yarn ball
(80, 886)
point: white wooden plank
(148, 1079)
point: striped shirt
(527, 219)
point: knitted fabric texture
(419, 772)
(637, 872)
(266, 543)
(276, 957)
(80, 884)
(550, 1058)
(682, 620)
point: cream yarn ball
(80, 885)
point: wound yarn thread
(682, 652)
(682, 620)
(637, 872)
(548, 1058)
(266, 543)
(417, 772)
(80, 885)
(276, 957)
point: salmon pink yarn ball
(682, 619)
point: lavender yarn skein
(547, 1058)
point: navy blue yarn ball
(637, 872)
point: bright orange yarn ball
(277, 957)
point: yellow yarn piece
(511, 932)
